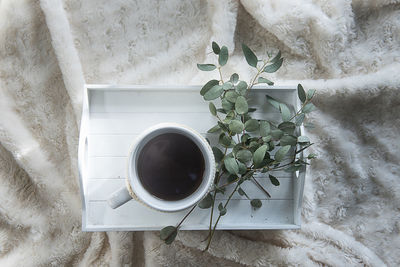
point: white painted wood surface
(114, 115)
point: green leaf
(212, 108)
(301, 93)
(234, 78)
(256, 203)
(274, 66)
(276, 134)
(168, 234)
(241, 192)
(231, 165)
(251, 58)
(312, 156)
(215, 92)
(303, 139)
(277, 57)
(281, 153)
(310, 94)
(226, 105)
(236, 126)
(287, 126)
(241, 105)
(208, 86)
(223, 126)
(244, 138)
(223, 56)
(273, 102)
(263, 80)
(221, 110)
(251, 125)
(267, 138)
(241, 88)
(285, 112)
(308, 108)
(231, 96)
(227, 86)
(225, 141)
(259, 155)
(222, 210)
(265, 128)
(206, 202)
(242, 168)
(252, 109)
(288, 140)
(214, 129)
(300, 119)
(274, 180)
(215, 48)
(206, 67)
(217, 154)
(244, 155)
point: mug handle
(118, 198)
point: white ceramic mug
(122, 196)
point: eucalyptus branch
(260, 186)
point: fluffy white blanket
(348, 50)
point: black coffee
(170, 166)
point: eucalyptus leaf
(222, 210)
(299, 119)
(274, 180)
(227, 86)
(277, 57)
(242, 167)
(217, 154)
(276, 134)
(214, 129)
(259, 154)
(251, 125)
(241, 88)
(206, 202)
(223, 126)
(312, 156)
(256, 203)
(212, 108)
(267, 138)
(208, 86)
(263, 80)
(303, 139)
(215, 92)
(226, 105)
(265, 128)
(273, 102)
(231, 165)
(285, 112)
(281, 153)
(168, 234)
(225, 141)
(241, 105)
(274, 66)
(215, 48)
(206, 67)
(310, 94)
(231, 96)
(251, 58)
(301, 93)
(234, 78)
(244, 138)
(236, 126)
(288, 140)
(244, 155)
(221, 110)
(287, 126)
(223, 56)
(308, 108)
(241, 192)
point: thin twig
(187, 214)
(260, 186)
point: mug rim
(167, 205)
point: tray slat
(113, 118)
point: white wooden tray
(114, 114)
